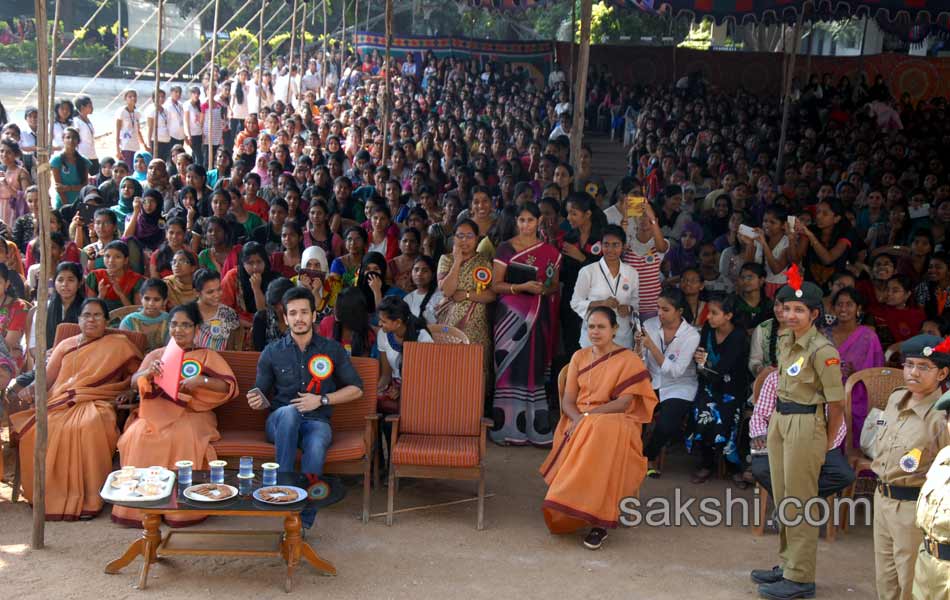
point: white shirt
(27, 137)
(676, 377)
(562, 107)
(594, 282)
(770, 277)
(614, 217)
(87, 138)
(414, 300)
(161, 122)
(193, 119)
(128, 138)
(240, 110)
(310, 80)
(175, 112)
(555, 77)
(393, 356)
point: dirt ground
(438, 553)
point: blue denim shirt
(282, 372)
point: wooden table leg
(290, 547)
(311, 556)
(151, 538)
(136, 549)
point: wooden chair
(440, 432)
(12, 404)
(116, 315)
(354, 424)
(445, 334)
(879, 382)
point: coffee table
(287, 544)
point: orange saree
(86, 380)
(602, 461)
(163, 431)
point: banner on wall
(536, 58)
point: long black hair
(362, 282)
(55, 313)
(677, 299)
(250, 250)
(433, 285)
(396, 309)
(350, 311)
(165, 254)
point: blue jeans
(288, 430)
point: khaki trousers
(797, 447)
(931, 577)
(896, 542)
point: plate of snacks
(280, 494)
(131, 484)
(210, 492)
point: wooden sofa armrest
(370, 431)
(486, 422)
(394, 421)
(482, 439)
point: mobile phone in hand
(259, 393)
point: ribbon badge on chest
(320, 367)
(796, 367)
(482, 277)
(190, 368)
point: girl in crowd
(152, 320)
(14, 181)
(609, 283)
(722, 357)
(752, 305)
(180, 283)
(63, 307)
(345, 267)
(287, 261)
(775, 244)
(116, 284)
(349, 324)
(243, 288)
(220, 328)
(691, 284)
(764, 344)
(669, 342)
(318, 231)
(523, 333)
(145, 223)
(400, 267)
(859, 348)
(160, 262)
(372, 281)
(221, 256)
(426, 295)
(685, 255)
(582, 247)
(70, 170)
(381, 240)
(934, 293)
(314, 275)
(646, 254)
(13, 314)
(883, 267)
(897, 319)
(269, 324)
(824, 247)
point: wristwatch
(324, 400)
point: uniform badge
(595, 249)
(910, 461)
(190, 368)
(796, 367)
(832, 361)
(626, 287)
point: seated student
(87, 374)
(301, 377)
(269, 324)
(163, 431)
(160, 262)
(270, 234)
(243, 288)
(911, 435)
(144, 225)
(763, 351)
(220, 328)
(752, 305)
(692, 285)
(835, 474)
(105, 225)
(152, 320)
(14, 266)
(349, 324)
(57, 244)
(286, 258)
(64, 301)
(898, 318)
(181, 289)
(116, 284)
(397, 325)
(372, 281)
(597, 456)
(669, 342)
(426, 296)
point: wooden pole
(158, 73)
(303, 38)
(577, 130)
(356, 15)
(290, 60)
(117, 53)
(342, 43)
(52, 70)
(325, 66)
(811, 41)
(260, 57)
(389, 40)
(211, 76)
(572, 59)
(43, 218)
(787, 99)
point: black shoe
(595, 539)
(772, 575)
(787, 590)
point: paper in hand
(171, 369)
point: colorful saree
(601, 462)
(862, 350)
(524, 347)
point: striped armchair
(440, 432)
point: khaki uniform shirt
(809, 369)
(933, 506)
(909, 439)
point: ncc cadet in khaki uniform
(911, 433)
(800, 435)
(932, 573)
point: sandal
(701, 476)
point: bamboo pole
(369, 9)
(342, 43)
(323, 79)
(158, 74)
(52, 72)
(786, 100)
(225, 46)
(260, 57)
(118, 52)
(572, 59)
(356, 15)
(389, 41)
(43, 218)
(577, 130)
(211, 77)
(68, 47)
(303, 38)
(248, 45)
(290, 60)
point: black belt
(794, 408)
(898, 492)
(937, 549)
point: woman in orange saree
(163, 431)
(87, 374)
(597, 457)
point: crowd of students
(477, 220)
